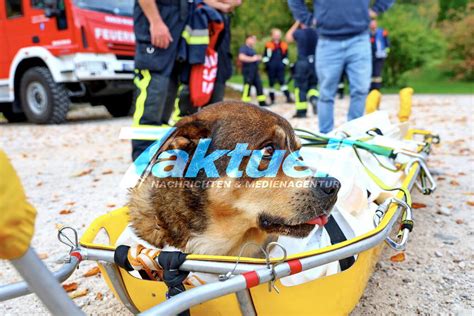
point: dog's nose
(329, 185)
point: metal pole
(18, 289)
(245, 303)
(44, 285)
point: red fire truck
(54, 52)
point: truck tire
(119, 105)
(11, 116)
(43, 100)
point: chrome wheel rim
(36, 97)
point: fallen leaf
(454, 183)
(459, 221)
(43, 255)
(84, 172)
(92, 272)
(99, 296)
(108, 171)
(111, 205)
(470, 203)
(78, 293)
(58, 226)
(416, 205)
(69, 287)
(65, 212)
(440, 178)
(70, 203)
(39, 184)
(399, 257)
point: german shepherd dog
(217, 220)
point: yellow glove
(17, 216)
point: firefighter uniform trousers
(377, 67)
(305, 84)
(157, 71)
(275, 59)
(252, 78)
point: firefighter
(159, 27)
(380, 50)
(250, 61)
(304, 72)
(275, 59)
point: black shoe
(263, 103)
(272, 97)
(288, 96)
(300, 114)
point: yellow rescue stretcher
(338, 294)
(246, 285)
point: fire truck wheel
(11, 116)
(43, 100)
(119, 105)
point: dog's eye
(268, 151)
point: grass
(424, 81)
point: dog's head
(239, 206)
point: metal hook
(228, 275)
(269, 247)
(63, 238)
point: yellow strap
(380, 183)
(142, 85)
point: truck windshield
(118, 7)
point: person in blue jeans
(343, 45)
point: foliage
(414, 43)
(259, 17)
(460, 55)
(449, 9)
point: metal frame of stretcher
(249, 275)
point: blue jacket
(338, 19)
(196, 32)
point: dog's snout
(329, 185)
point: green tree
(449, 9)
(459, 60)
(414, 43)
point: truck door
(17, 26)
(4, 58)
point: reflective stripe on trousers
(142, 85)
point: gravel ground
(76, 167)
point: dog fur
(219, 221)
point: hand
(372, 14)
(160, 35)
(225, 6)
(257, 57)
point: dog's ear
(189, 131)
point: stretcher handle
(18, 289)
(423, 186)
(407, 222)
